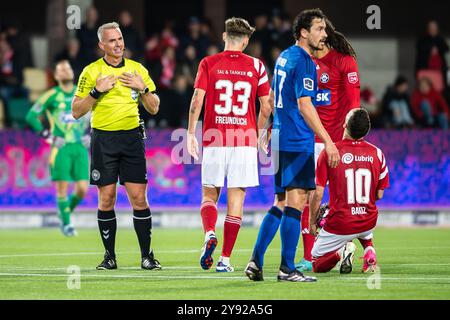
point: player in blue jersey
(295, 121)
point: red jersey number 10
(355, 187)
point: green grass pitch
(414, 264)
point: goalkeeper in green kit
(69, 141)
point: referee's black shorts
(117, 154)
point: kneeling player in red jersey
(339, 92)
(355, 184)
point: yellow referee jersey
(118, 108)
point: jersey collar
(120, 65)
(327, 56)
(351, 140)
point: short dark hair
(358, 125)
(58, 62)
(399, 81)
(304, 20)
(238, 27)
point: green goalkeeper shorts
(69, 163)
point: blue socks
(290, 234)
(267, 231)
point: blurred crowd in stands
(424, 104)
(172, 56)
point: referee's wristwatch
(145, 91)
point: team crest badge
(95, 174)
(324, 78)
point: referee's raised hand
(104, 84)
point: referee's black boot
(108, 263)
(150, 263)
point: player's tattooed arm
(194, 113)
(194, 97)
(195, 108)
(195, 103)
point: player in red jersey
(355, 184)
(339, 92)
(231, 81)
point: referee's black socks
(142, 220)
(107, 224)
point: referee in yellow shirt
(111, 88)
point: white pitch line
(55, 268)
(123, 276)
(59, 268)
(394, 278)
(10, 268)
(62, 254)
(417, 264)
(415, 248)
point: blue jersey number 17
(282, 74)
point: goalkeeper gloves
(321, 217)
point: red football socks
(366, 243)
(230, 232)
(308, 239)
(326, 263)
(208, 212)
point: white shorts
(329, 242)
(238, 164)
(318, 147)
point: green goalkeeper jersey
(56, 105)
